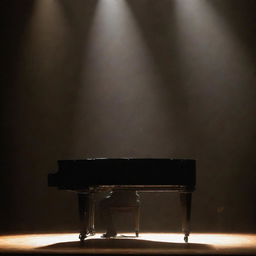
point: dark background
(134, 78)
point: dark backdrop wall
(134, 78)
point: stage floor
(146, 243)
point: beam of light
(209, 50)
(46, 35)
(119, 82)
(219, 78)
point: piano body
(90, 176)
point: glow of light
(28, 241)
(225, 240)
(218, 241)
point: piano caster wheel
(137, 234)
(92, 232)
(186, 239)
(82, 237)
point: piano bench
(136, 212)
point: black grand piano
(90, 176)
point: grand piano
(93, 175)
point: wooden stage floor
(145, 244)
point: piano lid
(124, 171)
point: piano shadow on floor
(124, 243)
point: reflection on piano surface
(90, 176)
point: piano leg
(92, 214)
(84, 215)
(186, 198)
